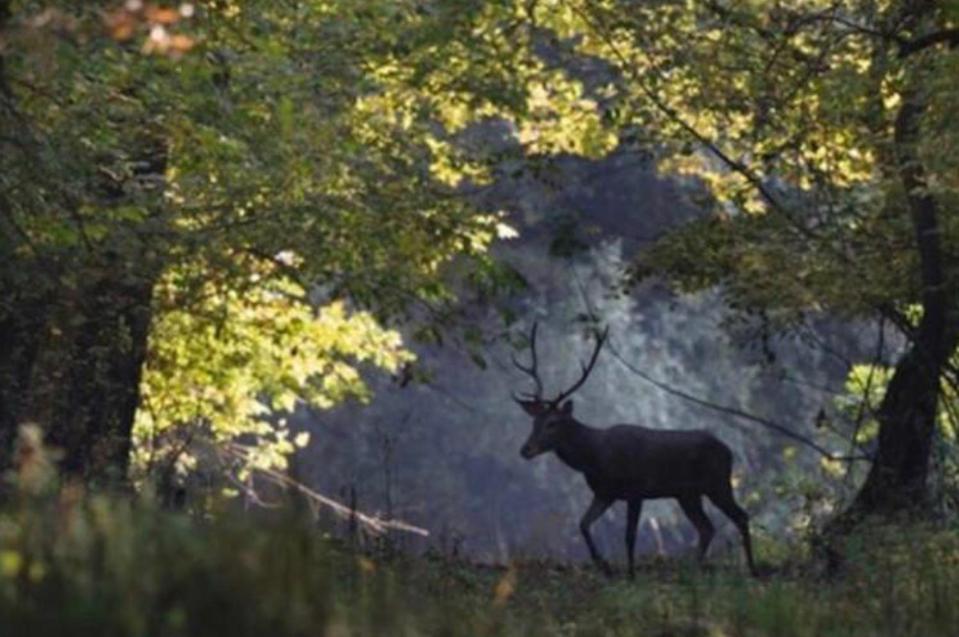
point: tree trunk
(74, 319)
(22, 320)
(101, 388)
(71, 363)
(897, 480)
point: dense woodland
(218, 218)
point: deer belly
(650, 486)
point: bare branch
(738, 413)
(374, 524)
(732, 411)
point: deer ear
(567, 408)
(531, 407)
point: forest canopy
(214, 210)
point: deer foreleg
(596, 508)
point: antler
(530, 370)
(586, 369)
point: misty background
(444, 455)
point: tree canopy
(213, 210)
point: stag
(632, 463)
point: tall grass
(74, 563)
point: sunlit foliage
(246, 163)
(238, 167)
(230, 367)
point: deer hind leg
(596, 508)
(725, 502)
(693, 508)
(633, 511)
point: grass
(77, 564)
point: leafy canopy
(286, 178)
(289, 177)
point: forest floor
(906, 593)
(74, 565)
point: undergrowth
(75, 563)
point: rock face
(446, 455)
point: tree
(137, 186)
(818, 133)
(190, 167)
(210, 211)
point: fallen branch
(374, 524)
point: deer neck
(577, 447)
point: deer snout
(528, 451)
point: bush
(75, 563)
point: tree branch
(730, 411)
(733, 411)
(949, 37)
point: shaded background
(445, 455)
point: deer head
(549, 414)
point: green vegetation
(213, 212)
(183, 186)
(75, 564)
(78, 563)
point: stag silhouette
(632, 463)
